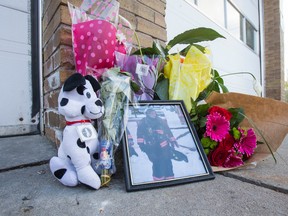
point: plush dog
(79, 104)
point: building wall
(147, 16)
(274, 50)
(229, 55)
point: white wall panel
(228, 55)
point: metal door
(17, 88)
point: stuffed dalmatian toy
(79, 104)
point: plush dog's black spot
(96, 156)
(88, 150)
(95, 84)
(80, 89)
(64, 101)
(81, 144)
(88, 95)
(82, 109)
(60, 173)
(69, 157)
(74, 81)
(98, 103)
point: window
(214, 9)
(250, 35)
(234, 21)
(224, 13)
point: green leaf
(215, 73)
(184, 51)
(237, 116)
(162, 88)
(202, 122)
(154, 50)
(224, 88)
(215, 87)
(147, 51)
(219, 80)
(206, 92)
(202, 109)
(134, 86)
(194, 36)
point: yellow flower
(188, 79)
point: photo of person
(161, 146)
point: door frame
(36, 63)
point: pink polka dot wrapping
(93, 47)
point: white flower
(120, 37)
(257, 87)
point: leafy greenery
(190, 37)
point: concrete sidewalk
(28, 188)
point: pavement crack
(257, 183)
(38, 163)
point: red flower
(221, 111)
(228, 142)
(218, 156)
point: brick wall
(274, 54)
(147, 16)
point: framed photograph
(161, 147)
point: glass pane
(234, 21)
(250, 35)
(213, 9)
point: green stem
(239, 73)
(139, 45)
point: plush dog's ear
(95, 84)
(74, 81)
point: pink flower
(233, 160)
(247, 142)
(217, 127)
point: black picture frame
(148, 166)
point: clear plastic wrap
(115, 94)
(144, 71)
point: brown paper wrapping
(269, 115)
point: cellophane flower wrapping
(144, 71)
(95, 36)
(188, 78)
(115, 94)
(269, 115)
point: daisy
(247, 142)
(233, 160)
(217, 127)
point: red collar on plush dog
(75, 122)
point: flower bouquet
(267, 117)
(229, 129)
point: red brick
(64, 57)
(156, 5)
(48, 67)
(61, 16)
(62, 36)
(151, 29)
(51, 100)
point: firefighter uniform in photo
(155, 138)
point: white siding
(230, 54)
